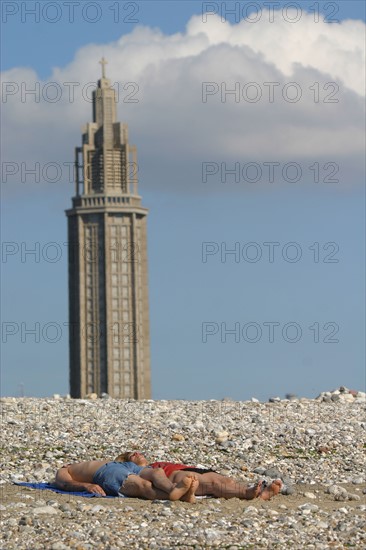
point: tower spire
(103, 62)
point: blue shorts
(111, 476)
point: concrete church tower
(108, 282)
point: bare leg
(135, 486)
(234, 489)
(224, 487)
(158, 478)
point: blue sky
(196, 290)
(64, 37)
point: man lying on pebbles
(131, 475)
(209, 482)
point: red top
(169, 467)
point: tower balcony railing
(105, 200)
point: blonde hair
(124, 457)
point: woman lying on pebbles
(131, 475)
(209, 482)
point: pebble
(308, 443)
(272, 473)
(288, 490)
(259, 471)
(340, 493)
(342, 394)
(322, 525)
(353, 496)
(97, 509)
(247, 523)
(309, 506)
(178, 437)
(250, 510)
(65, 508)
(45, 510)
(59, 546)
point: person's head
(132, 456)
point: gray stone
(65, 507)
(357, 481)
(26, 520)
(247, 523)
(335, 397)
(288, 490)
(260, 470)
(353, 496)
(309, 506)
(250, 510)
(166, 512)
(45, 510)
(98, 508)
(286, 480)
(272, 473)
(341, 497)
(53, 503)
(59, 546)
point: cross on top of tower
(103, 62)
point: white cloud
(337, 50)
(171, 124)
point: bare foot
(181, 488)
(253, 492)
(190, 494)
(271, 490)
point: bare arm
(65, 481)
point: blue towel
(55, 489)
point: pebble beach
(316, 446)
